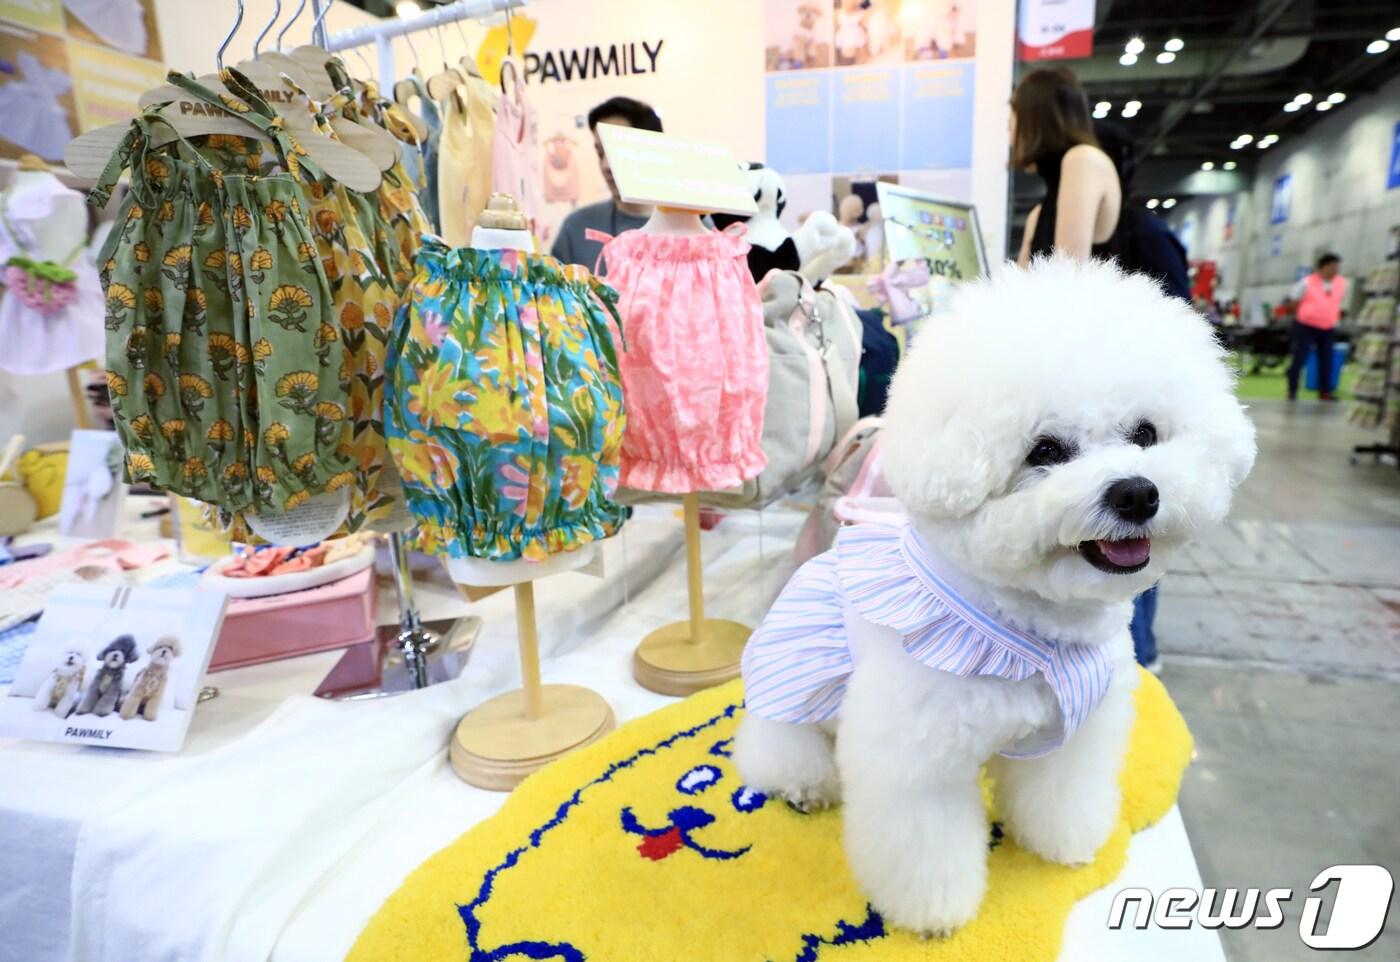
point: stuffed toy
(106, 688)
(990, 627)
(64, 686)
(824, 246)
(771, 247)
(145, 695)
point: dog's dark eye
(1144, 435)
(1047, 451)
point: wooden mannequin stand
(503, 740)
(688, 656)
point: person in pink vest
(1317, 300)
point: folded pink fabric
(115, 555)
(695, 361)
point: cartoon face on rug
(646, 845)
(682, 823)
(671, 816)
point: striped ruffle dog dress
(796, 665)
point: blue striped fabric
(798, 661)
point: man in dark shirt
(611, 216)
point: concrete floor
(1281, 644)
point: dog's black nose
(1132, 499)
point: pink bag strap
(865, 484)
(602, 237)
(843, 447)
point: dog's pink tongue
(1128, 552)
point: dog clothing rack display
(1378, 355)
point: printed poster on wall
(870, 87)
(1282, 202)
(1055, 29)
(1393, 178)
(67, 66)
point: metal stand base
(417, 653)
(428, 655)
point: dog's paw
(931, 914)
(793, 762)
(812, 799)
(1071, 837)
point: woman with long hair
(1052, 135)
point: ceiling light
(1166, 56)
(1292, 106)
(1152, 204)
(1174, 45)
(1128, 59)
(1336, 98)
(1103, 106)
(1303, 98)
(1208, 165)
(407, 8)
(1378, 46)
(1393, 35)
(1133, 105)
(1229, 165)
(1169, 203)
(1134, 46)
(1324, 105)
(1244, 140)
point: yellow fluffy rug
(645, 847)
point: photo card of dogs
(118, 667)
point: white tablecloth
(286, 820)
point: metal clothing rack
(423, 653)
(382, 34)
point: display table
(286, 820)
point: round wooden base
(668, 662)
(496, 744)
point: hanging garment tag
(305, 524)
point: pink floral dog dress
(695, 361)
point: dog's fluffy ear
(942, 470)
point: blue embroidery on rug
(698, 779)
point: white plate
(281, 584)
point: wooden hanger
(313, 59)
(441, 84)
(184, 115)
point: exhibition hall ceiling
(1234, 69)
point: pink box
(335, 615)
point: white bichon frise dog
(64, 685)
(1054, 441)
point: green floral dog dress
(219, 322)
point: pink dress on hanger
(515, 147)
(694, 361)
